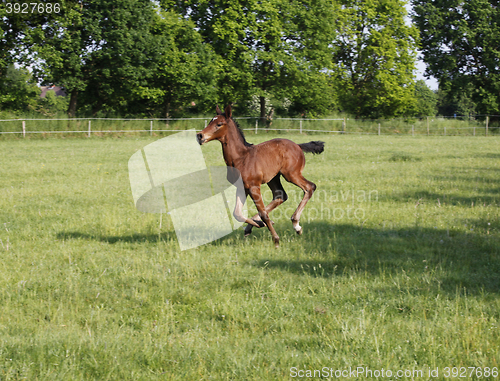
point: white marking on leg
(297, 227)
(238, 211)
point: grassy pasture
(398, 268)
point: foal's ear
(217, 110)
(228, 111)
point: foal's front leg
(259, 203)
(238, 212)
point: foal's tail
(313, 147)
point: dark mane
(240, 131)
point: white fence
(431, 126)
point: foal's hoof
(248, 230)
(260, 223)
(297, 228)
(276, 242)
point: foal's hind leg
(308, 187)
(279, 197)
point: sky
(431, 82)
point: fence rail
(431, 126)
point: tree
(17, 84)
(52, 105)
(456, 101)
(465, 55)
(100, 51)
(314, 93)
(265, 48)
(19, 90)
(426, 104)
(14, 26)
(63, 47)
(5, 46)
(123, 57)
(376, 58)
(186, 69)
(124, 53)
(312, 26)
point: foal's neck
(233, 146)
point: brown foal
(260, 164)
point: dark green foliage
(456, 101)
(273, 50)
(19, 91)
(52, 105)
(426, 100)
(465, 55)
(186, 70)
(63, 47)
(123, 53)
(166, 58)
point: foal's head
(217, 128)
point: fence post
(486, 130)
(89, 129)
(412, 130)
(427, 126)
(444, 130)
(379, 129)
(343, 126)
(24, 128)
(300, 126)
(256, 125)
(474, 131)
(151, 128)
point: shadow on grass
(132, 238)
(488, 197)
(490, 155)
(457, 259)
(477, 185)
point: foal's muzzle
(199, 138)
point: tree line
(165, 58)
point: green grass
(398, 267)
